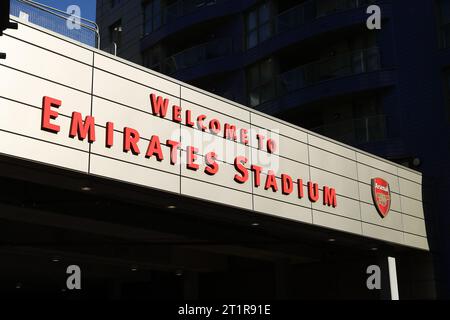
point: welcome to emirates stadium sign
(83, 127)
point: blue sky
(87, 6)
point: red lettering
(211, 165)
(257, 173)
(230, 132)
(271, 146)
(191, 157)
(154, 149)
(329, 197)
(189, 122)
(287, 185)
(130, 140)
(313, 191)
(49, 114)
(109, 134)
(173, 151)
(300, 188)
(176, 114)
(214, 126)
(239, 165)
(260, 139)
(271, 181)
(200, 124)
(82, 129)
(159, 105)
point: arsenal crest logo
(381, 195)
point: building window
(152, 16)
(115, 3)
(258, 25)
(444, 22)
(353, 120)
(261, 82)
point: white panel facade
(46, 64)
(135, 174)
(14, 83)
(336, 222)
(44, 152)
(282, 209)
(111, 90)
(207, 191)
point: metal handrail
(179, 8)
(95, 28)
(307, 73)
(226, 44)
(297, 12)
(357, 130)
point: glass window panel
(148, 27)
(373, 62)
(253, 77)
(264, 13)
(266, 71)
(265, 32)
(156, 7)
(148, 10)
(157, 21)
(358, 62)
(444, 6)
(267, 92)
(251, 21)
(445, 33)
(252, 39)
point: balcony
(342, 65)
(197, 55)
(170, 13)
(184, 7)
(312, 10)
(344, 74)
(356, 131)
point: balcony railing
(198, 54)
(356, 131)
(311, 10)
(64, 23)
(341, 65)
(183, 7)
(170, 13)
